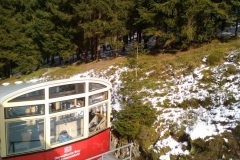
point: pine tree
(17, 47)
(135, 114)
(235, 14)
(53, 26)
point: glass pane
(24, 111)
(98, 97)
(97, 118)
(95, 86)
(66, 127)
(31, 96)
(25, 136)
(65, 105)
(66, 90)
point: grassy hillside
(177, 59)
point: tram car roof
(7, 90)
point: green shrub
(178, 133)
(189, 103)
(214, 58)
(166, 103)
(207, 77)
(232, 69)
(223, 81)
(198, 146)
(206, 102)
(146, 138)
(229, 101)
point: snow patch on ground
(198, 123)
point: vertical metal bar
(13, 147)
(131, 151)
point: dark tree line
(32, 31)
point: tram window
(65, 105)
(24, 111)
(66, 127)
(31, 96)
(23, 136)
(98, 97)
(97, 118)
(66, 90)
(95, 86)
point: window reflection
(66, 90)
(66, 127)
(23, 111)
(98, 97)
(95, 86)
(66, 105)
(31, 96)
(25, 135)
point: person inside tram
(91, 115)
(78, 105)
(64, 136)
(72, 105)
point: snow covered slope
(200, 122)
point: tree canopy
(34, 31)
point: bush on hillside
(214, 58)
(231, 69)
(132, 118)
(230, 100)
(206, 102)
(193, 103)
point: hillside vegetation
(189, 59)
(181, 97)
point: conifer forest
(32, 32)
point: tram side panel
(80, 150)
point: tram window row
(29, 135)
(33, 121)
(58, 91)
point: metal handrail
(12, 144)
(100, 156)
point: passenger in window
(78, 105)
(64, 136)
(72, 105)
(91, 115)
(97, 110)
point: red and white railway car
(55, 120)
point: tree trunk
(125, 39)
(145, 42)
(139, 36)
(115, 47)
(60, 59)
(223, 24)
(236, 29)
(52, 60)
(97, 48)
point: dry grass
(159, 62)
